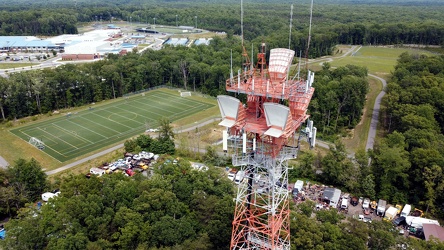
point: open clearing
(79, 133)
(379, 60)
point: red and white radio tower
(262, 137)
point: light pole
(195, 17)
(131, 23)
(154, 22)
(176, 20)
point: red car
(130, 172)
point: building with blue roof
(27, 44)
(177, 41)
(202, 41)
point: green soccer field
(82, 132)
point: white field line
(74, 133)
(109, 119)
(45, 146)
(58, 138)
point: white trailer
(417, 222)
(406, 210)
(381, 207)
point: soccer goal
(36, 143)
(185, 94)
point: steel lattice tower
(262, 137)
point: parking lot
(315, 192)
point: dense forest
(30, 93)
(407, 164)
(176, 207)
(263, 21)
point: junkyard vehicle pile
(129, 165)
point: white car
(231, 176)
(366, 203)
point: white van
(406, 210)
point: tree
(165, 129)
(368, 186)
(29, 176)
(306, 165)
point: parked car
(354, 201)
(366, 203)
(129, 172)
(344, 203)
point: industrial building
(86, 46)
(27, 44)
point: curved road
(375, 115)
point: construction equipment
(373, 205)
(399, 207)
(418, 213)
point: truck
(417, 222)
(406, 210)
(390, 213)
(239, 177)
(399, 208)
(298, 187)
(381, 207)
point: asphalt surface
(375, 115)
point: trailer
(390, 213)
(381, 207)
(417, 222)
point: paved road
(375, 115)
(109, 150)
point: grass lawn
(78, 133)
(358, 136)
(15, 65)
(378, 60)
